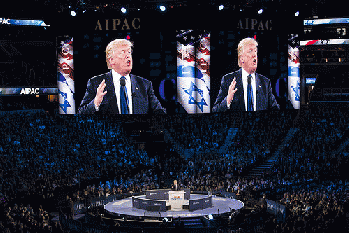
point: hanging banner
(193, 71)
(293, 72)
(65, 76)
(203, 76)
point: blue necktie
(123, 96)
(249, 94)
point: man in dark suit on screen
(245, 90)
(118, 91)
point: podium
(164, 199)
(176, 199)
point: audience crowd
(65, 162)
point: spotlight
(123, 10)
(72, 13)
(296, 14)
(260, 11)
(221, 7)
(210, 217)
(162, 8)
(165, 220)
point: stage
(220, 205)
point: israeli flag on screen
(293, 77)
(65, 77)
(193, 77)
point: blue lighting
(72, 13)
(123, 10)
(221, 7)
(260, 11)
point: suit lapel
(109, 82)
(111, 89)
(134, 88)
(133, 85)
(240, 86)
(258, 96)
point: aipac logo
(4, 21)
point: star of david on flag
(191, 94)
(193, 76)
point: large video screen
(184, 62)
(185, 67)
(324, 60)
(27, 65)
(28, 56)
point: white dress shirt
(116, 80)
(253, 84)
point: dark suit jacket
(265, 99)
(144, 100)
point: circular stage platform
(220, 205)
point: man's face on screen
(121, 60)
(249, 58)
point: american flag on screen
(65, 77)
(193, 71)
